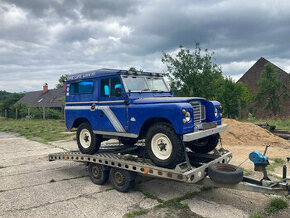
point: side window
(111, 87)
(82, 87)
(115, 84)
(105, 90)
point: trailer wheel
(225, 173)
(98, 173)
(204, 145)
(122, 180)
(88, 142)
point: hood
(156, 100)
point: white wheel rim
(161, 146)
(85, 138)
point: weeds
(256, 216)
(275, 205)
(52, 180)
(277, 162)
(136, 213)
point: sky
(41, 40)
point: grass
(275, 205)
(38, 130)
(176, 202)
(256, 216)
(2, 190)
(52, 180)
(277, 162)
(247, 172)
(283, 124)
(136, 213)
(1, 167)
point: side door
(111, 106)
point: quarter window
(82, 87)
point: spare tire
(225, 173)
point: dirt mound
(248, 134)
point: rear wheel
(88, 142)
(128, 141)
(164, 146)
(204, 145)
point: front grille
(198, 111)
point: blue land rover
(130, 106)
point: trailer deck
(131, 162)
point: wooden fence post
(5, 113)
(28, 112)
(16, 114)
(43, 112)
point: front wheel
(164, 146)
(88, 142)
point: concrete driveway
(31, 186)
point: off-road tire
(99, 174)
(122, 180)
(204, 145)
(177, 154)
(225, 173)
(128, 141)
(95, 141)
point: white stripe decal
(111, 116)
(108, 112)
(77, 107)
(96, 102)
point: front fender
(140, 113)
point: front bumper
(203, 133)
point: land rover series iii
(131, 106)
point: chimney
(45, 88)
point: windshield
(141, 83)
(157, 84)
(134, 83)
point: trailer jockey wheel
(98, 173)
(122, 180)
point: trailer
(121, 164)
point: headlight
(187, 116)
(216, 112)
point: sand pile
(242, 133)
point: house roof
(52, 98)
(252, 76)
(103, 72)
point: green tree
(8, 103)
(271, 90)
(61, 81)
(193, 73)
(134, 69)
(229, 95)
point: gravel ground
(31, 186)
